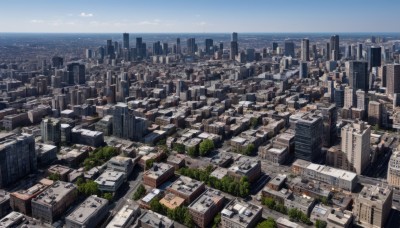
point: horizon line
(198, 32)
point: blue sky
(199, 16)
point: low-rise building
(124, 218)
(54, 201)
(176, 161)
(151, 219)
(121, 164)
(46, 153)
(88, 214)
(110, 181)
(204, 208)
(158, 174)
(245, 166)
(187, 188)
(21, 201)
(337, 178)
(276, 155)
(12, 220)
(240, 214)
(172, 201)
(285, 223)
(340, 219)
(303, 203)
(59, 170)
(146, 200)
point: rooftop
(88, 208)
(55, 193)
(158, 170)
(186, 185)
(244, 164)
(206, 200)
(109, 177)
(172, 201)
(121, 218)
(241, 211)
(153, 219)
(375, 193)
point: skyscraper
(157, 50)
(359, 52)
(234, 37)
(178, 46)
(329, 119)
(335, 47)
(392, 79)
(357, 72)
(76, 73)
(17, 158)
(328, 51)
(274, 46)
(374, 57)
(126, 40)
(356, 145)
(191, 46)
(139, 48)
(51, 131)
(305, 50)
(165, 48)
(234, 46)
(289, 48)
(308, 137)
(110, 51)
(303, 73)
(209, 46)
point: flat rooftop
(109, 177)
(153, 219)
(333, 172)
(121, 218)
(241, 211)
(54, 193)
(87, 209)
(186, 185)
(244, 164)
(206, 200)
(172, 201)
(158, 170)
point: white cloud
(153, 22)
(83, 14)
(36, 21)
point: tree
(269, 202)
(55, 177)
(188, 220)
(320, 224)
(217, 220)
(254, 122)
(269, 223)
(140, 192)
(88, 188)
(249, 149)
(108, 196)
(206, 146)
(149, 163)
(179, 148)
(193, 152)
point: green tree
(179, 148)
(193, 152)
(269, 202)
(254, 122)
(206, 146)
(187, 219)
(55, 177)
(269, 223)
(108, 196)
(320, 224)
(140, 192)
(88, 188)
(217, 220)
(249, 149)
(149, 163)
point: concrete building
(372, 206)
(357, 73)
(150, 219)
(393, 173)
(340, 219)
(49, 205)
(110, 181)
(158, 174)
(245, 166)
(392, 79)
(121, 164)
(5, 207)
(240, 214)
(124, 218)
(17, 157)
(50, 130)
(204, 208)
(172, 201)
(356, 145)
(12, 220)
(305, 50)
(87, 137)
(337, 178)
(126, 125)
(88, 214)
(375, 113)
(304, 204)
(187, 188)
(60, 170)
(45, 153)
(286, 223)
(308, 137)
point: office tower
(89, 53)
(335, 47)
(356, 145)
(123, 122)
(51, 131)
(139, 48)
(289, 48)
(328, 51)
(209, 46)
(165, 49)
(348, 52)
(357, 73)
(314, 51)
(117, 47)
(374, 113)
(393, 173)
(57, 62)
(234, 50)
(359, 52)
(349, 97)
(329, 119)
(392, 79)
(221, 46)
(274, 46)
(178, 46)
(143, 51)
(234, 37)
(374, 57)
(191, 46)
(17, 158)
(100, 53)
(110, 50)
(373, 205)
(305, 49)
(157, 49)
(303, 73)
(76, 73)
(308, 137)
(339, 96)
(126, 40)
(250, 54)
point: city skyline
(191, 17)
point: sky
(199, 16)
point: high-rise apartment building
(191, 46)
(334, 44)
(289, 48)
(329, 119)
(305, 50)
(17, 157)
(392, 79)
(126, 125)
(51, 131)
(356, 145)
(76, 74)
(374, 113)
